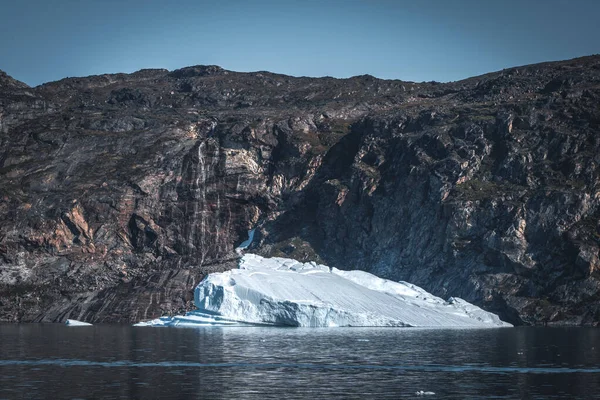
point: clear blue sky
(417, 40)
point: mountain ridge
(217, 67)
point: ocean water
(50, 361)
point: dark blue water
(55, 361)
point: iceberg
(285, 292)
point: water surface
(112, 361)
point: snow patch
(246, 243)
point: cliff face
(118, 193)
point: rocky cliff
(119, 193)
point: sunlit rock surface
(285, 292)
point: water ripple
(418, 368)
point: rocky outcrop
(118, 193)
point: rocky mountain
(119, 193)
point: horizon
(429, 40)
(300, 76)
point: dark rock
(118, 193)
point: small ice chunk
(74, 322)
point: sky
(416, 40)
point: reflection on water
(50, 361)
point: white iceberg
(285, 292)
(74, 322)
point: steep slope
(118, 193)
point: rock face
(119, 193)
